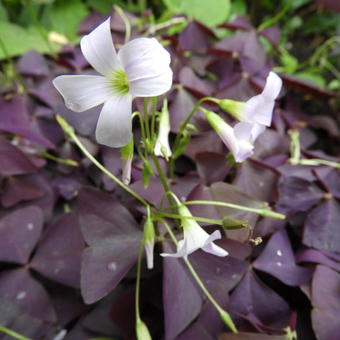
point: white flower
(195, 238)
(162, 147)
(255, 115)
(139, 69)
(257, 109)
(149, 240)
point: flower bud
(126, 156)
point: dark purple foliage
(69, 236)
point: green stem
(225, 316)
(125, 21)
(262, 212)
(141, 122)
(139, 266)
(146, 120)
(195, 218)
(5, 52)
(15, 335)
(317, 161)
(153, 116)
(40, 28)
(181, 130)
(68, 130)
(69, 162)
(271, 21)
(295, 148)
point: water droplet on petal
(279, 264)
(30, 226)
(279, 253)
(234, 276)
(112, 266)
(21, 295)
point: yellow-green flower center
(119, 82)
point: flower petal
(153, 86)
(259, 108)
(181, 250)
(82, 92)
(212, 248)
(273, 86)
(114, 127)
(144, 58)
(98, 49)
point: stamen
(119, 82)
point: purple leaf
(14, 119)
(307, 87)
(326, 303)
(195, 37)
(315, 256)
(252, 296)
(224, 192)
(220, 275)
(257, 181)
(19, 233)
(297, 194)
(113, 237)
(322, 227)
(181, 299)
(67, 187)
(199, 87)
(33, 64)
(330, 178)
(13, 160)
(18, 286)
(250, 336)
(277, 259)
(59, 254)
(19, 188)
(273, 34)
(212, 167)
(239, 23)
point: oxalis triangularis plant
(141, 68)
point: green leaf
(209, 12)
(64, 17)
(3, 12)
(103, 6)
(312, 77)
(19, 40)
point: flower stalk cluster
(141, 68)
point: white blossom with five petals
(254, 115)
(141, 68)
(195, 237)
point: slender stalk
(125, 21)
(173, 21)
(68, 130)
(181, 130)
(317, 161)
(139, 266)
(146, 120)
(153, 116)
(13, 334)
(69, 162)
(195, 218)
(40, 28)
(141, 122)
(224, 315)
(262, 212)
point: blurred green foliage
(28, 24)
